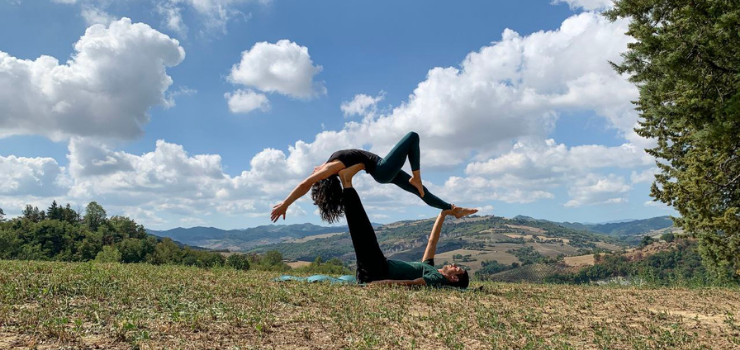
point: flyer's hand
(277, 211)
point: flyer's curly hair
(327, 195)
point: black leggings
(371, 263)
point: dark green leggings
(389, 170)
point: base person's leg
(371, 263)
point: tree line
(60, 233)
(681, 265)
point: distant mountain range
(625, 228)
(247, 239)
(235, 240)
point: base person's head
(456, 276)
(327, 195)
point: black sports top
(350, 157)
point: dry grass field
(529, 229)
(297, 264)
(500, 253)
(310, 238)
(608, 246)
(496, 246)
(528, 237)
(581, 260)
(47, 305)
(480, 256)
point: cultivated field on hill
(50, 305)
(468, 241)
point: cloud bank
(106, 89)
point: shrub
(668, 237)
(238, 261)
(108, 254)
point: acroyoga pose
(326, 191)
(372, 265)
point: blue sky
(208, 112)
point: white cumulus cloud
(594, 189)
(587, 5)
(170, 182)
(96, 15)
(362, 104)
(37, 177)
(172, 18)
(533, 159)
(284, 67)
(99, 171)
(215, 14)
(245, 101)
(115, 76)
(212, 15)
(476, 189)
(532, 166)
(644, 176)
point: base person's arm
(434, 236)
(417, 282)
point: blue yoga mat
(346, 279)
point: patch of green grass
(145, 306)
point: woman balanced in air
(326, 190)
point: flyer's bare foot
(416, 182)
(460, 211)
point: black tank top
(350, 157)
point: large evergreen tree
(33, 213)
(54, 212)
(686, 64)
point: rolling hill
(626, 228)
(238, 240)
(469, 241)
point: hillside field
(468, 241)
(50, 305)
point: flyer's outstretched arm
(320, 173)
